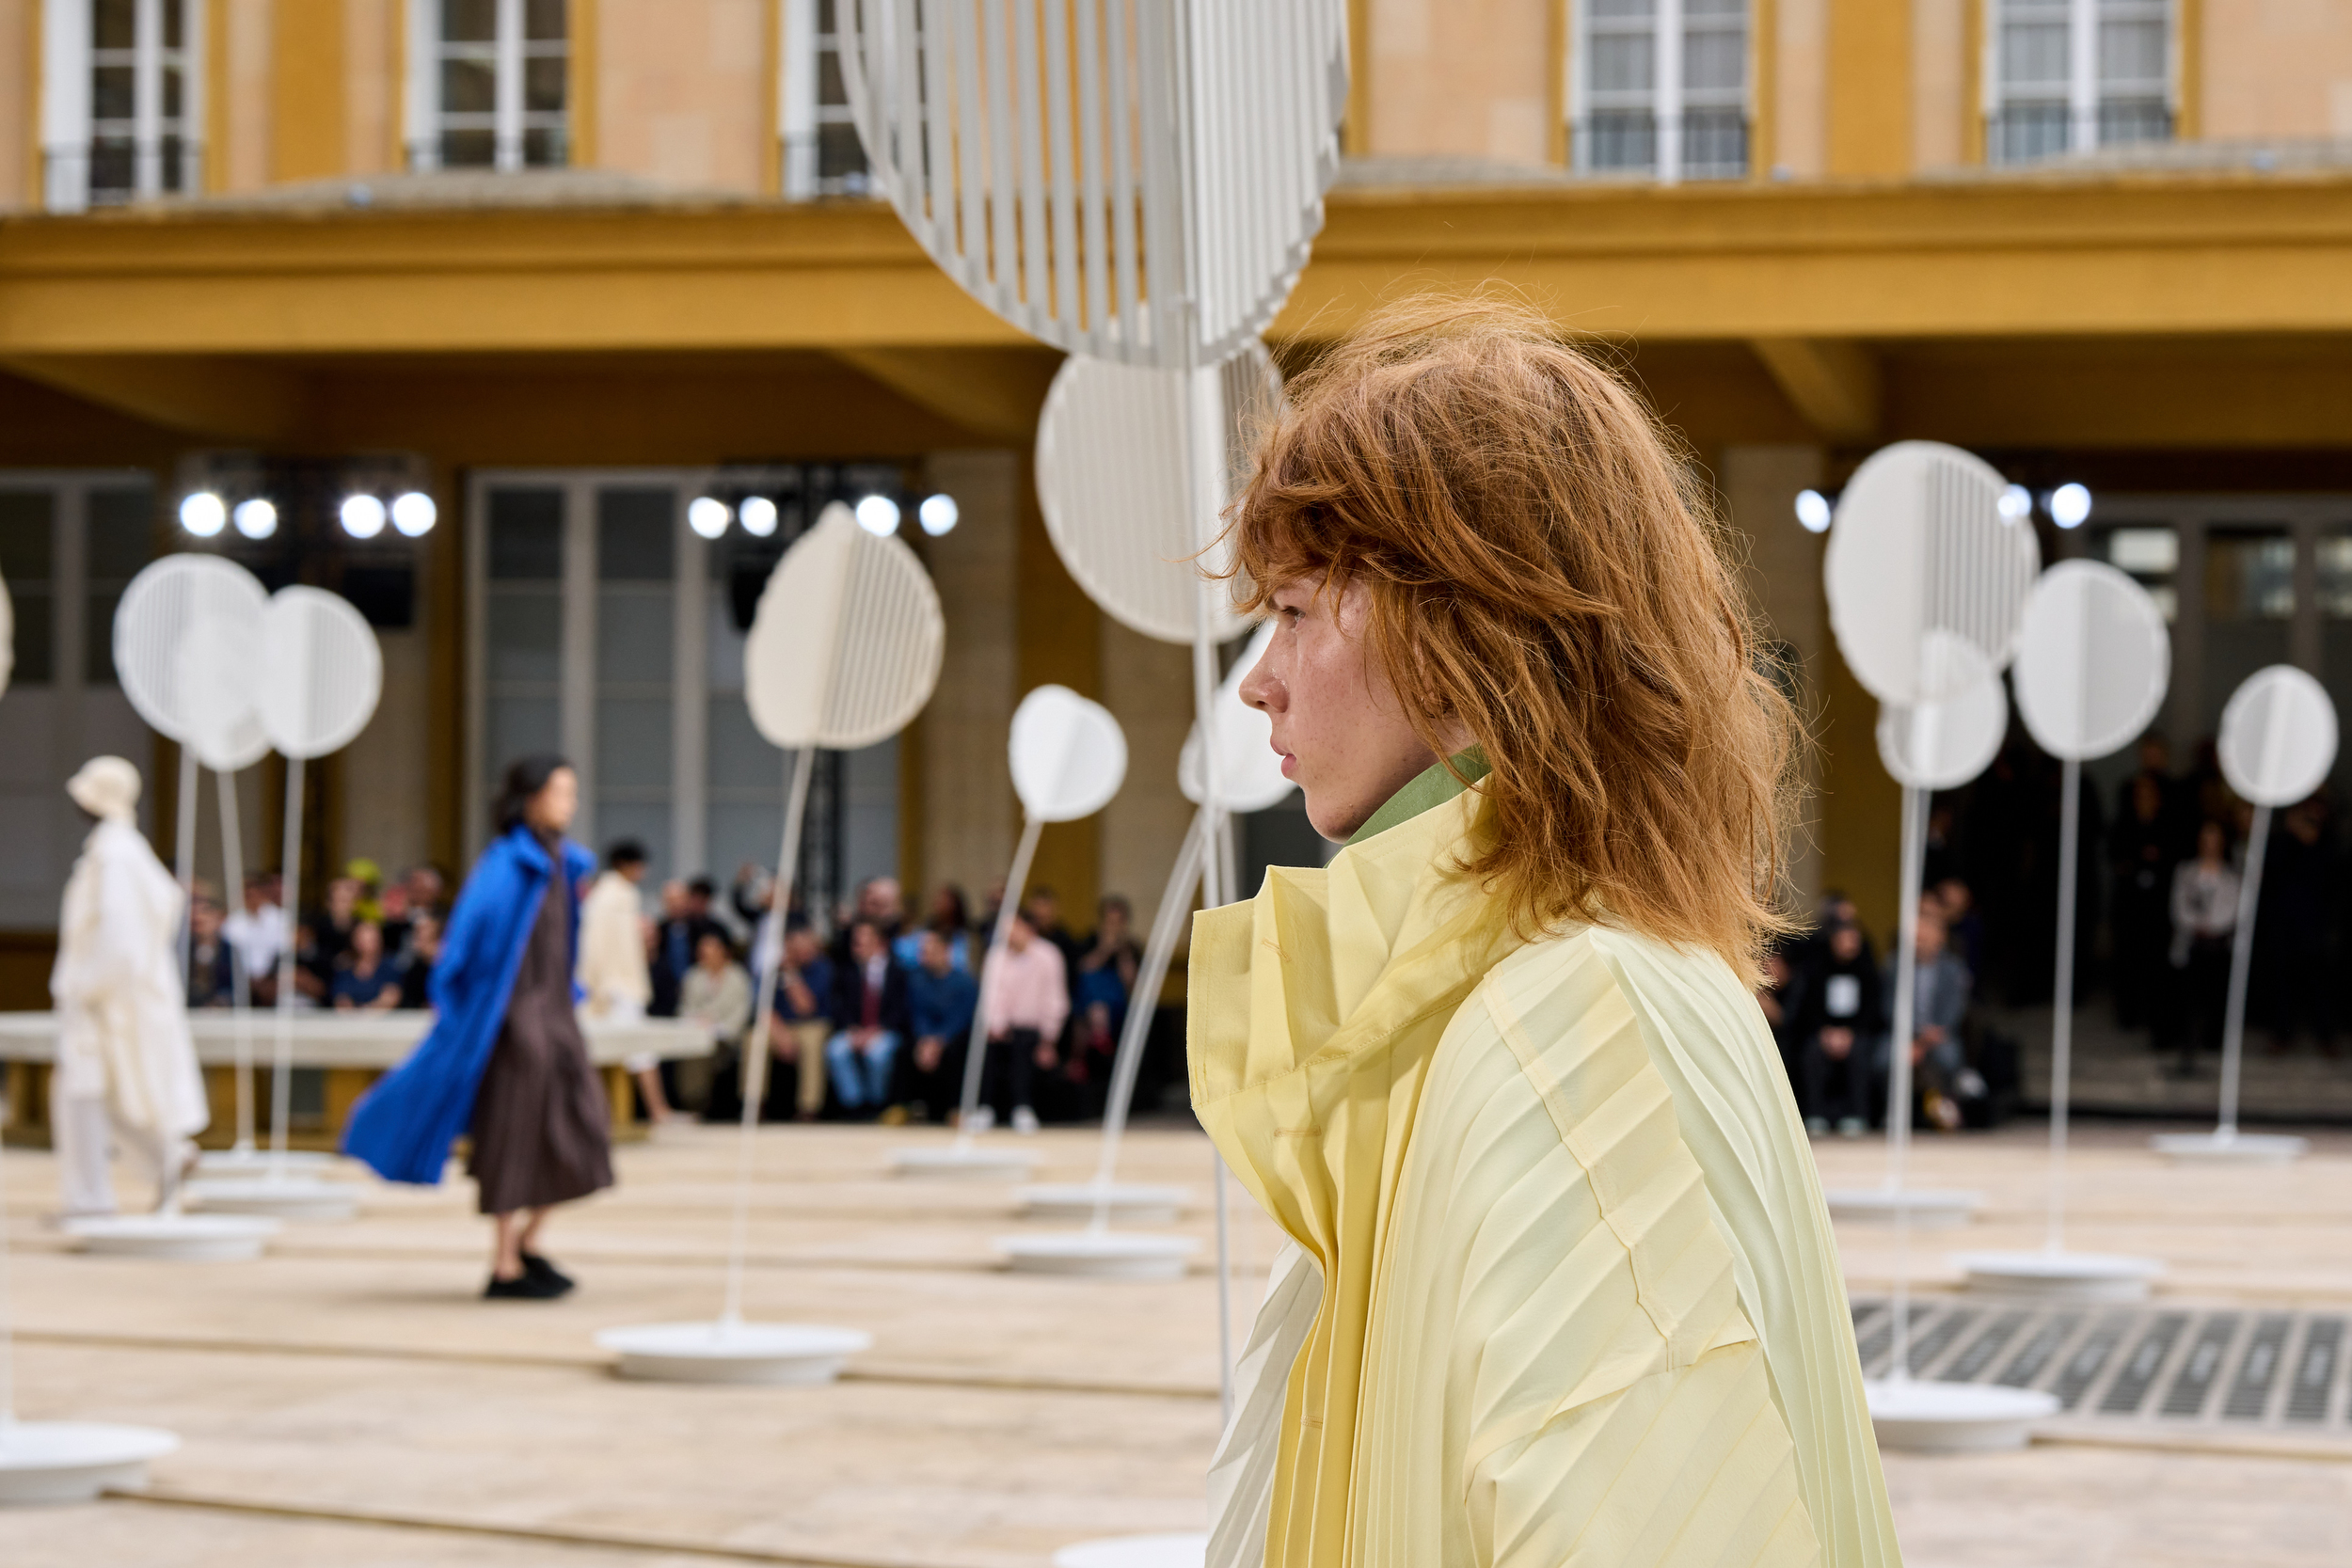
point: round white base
(2061, 1276)
(174, 1238)
(792, 1353)
(1954, 1417)
(1099, 1254)
(257, 1162)
(73, 1462)
(1928, 1208)
(292, 1197)
(2238, 1149)
(1189, 1550)
(969, 1163)
(1077, 1202)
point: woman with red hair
(1561, 1287)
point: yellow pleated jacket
(1560, 1285)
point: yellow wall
(1462, 78)
(307, 86)
(20, 85)
(2275, 68)
(681, 92)
(1869, 88)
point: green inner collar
(1433, 785)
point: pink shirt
(1025, 990)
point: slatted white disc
(1068, 754)
(321, 672)
(1251, 768)
(220, 660)
(156, 612)
(1132, 180)
(2093, 659)
(2278, 737)
(1920, 544)
(846, 644)
(1111, 480)
(1944, 744)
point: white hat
(105, 787)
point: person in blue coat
(504, 1061)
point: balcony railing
(1714, 144)
(2028, 133)
(110, 171)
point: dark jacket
(941, 1006)
(848, 998)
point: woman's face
(1338, 723)
(550, 810)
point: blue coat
(403, 1126)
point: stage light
(2016, 503)
(255, 518)
(203, 514)
(707, 516)
(877, 515)
(362, 515)
(414, 513)
(758, 515)
(938, 513)
(1813, 510)
(2070, 505)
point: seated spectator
(686, 919)
(397, 919)
(1106, 974)
(716, 993)
(1025, 992)
(416, 969)
(951, 918)
(1940, 989)
(804, 1019)
(428, 892)
(1839, 1019)
(258, 932)
(365, 979)
(1777, 999)
(2205, 922)
(1963, 928)
(870, 1021)
(325, 938)
(941, 998)
(212, 957)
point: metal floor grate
(2165, 1366)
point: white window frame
(801, 114)
(68, 131)
(1667, 98)
(2086, 91)
(509, 121)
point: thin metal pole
(1899, 1066)
(7, 1323)
(752, 1062)
(183, 826)
(2241, 959)
(2062, 1002)
(281, 1065)
(1175, 903)
(975, 1046)
(240, 984)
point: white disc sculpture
(159, 608)
(56, 1461)
(315, 685)
(2092, 664)
(844, 652)
(1926, 581)
(1184, 1549)
(2277, 742)
(1068, 757)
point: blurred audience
(869, 1019)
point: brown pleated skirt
(540, 1131)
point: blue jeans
(861, 1078)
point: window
(1662, 88)
(2152, 554)
(489, 85)
(821, 152)
(120, 100)
(2072, 75)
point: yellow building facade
(568, 264)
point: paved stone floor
(350, 1399)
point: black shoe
(523, 1287)
(536, 1267)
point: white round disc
(1919, 545)
(1099, 1254)
(155, 611)
(1134, 1202)
(2278, 737)
(969, 1163)
(220, 660)
(1944, 744)
(2072, 1275)
(1954, 1417)
(2093, 659)
(1181, 1550)
(321, 672)
(1068, 754)
(722, 1351)
(1922, 1208)
(2230, 1148)
(1251, 768)
(48, 1463)
(173, 1238)
(1111, 456)
(845, 646)
(285, 1197)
